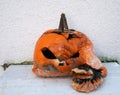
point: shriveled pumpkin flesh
(88, 80)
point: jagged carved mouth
(84, 73)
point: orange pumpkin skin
(64, 50)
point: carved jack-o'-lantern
(67, 52)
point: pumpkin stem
(63, 23)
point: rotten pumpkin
(67, 52)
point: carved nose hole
(61, 64)
(75, 55)
(47, 53)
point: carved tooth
(56, 61)
(82, 71)
(90, 72)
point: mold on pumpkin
(67, 52)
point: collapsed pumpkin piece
(67, 52)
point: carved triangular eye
(47, 53)
(75, 55)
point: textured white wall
(23, 21)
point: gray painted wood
(20, 80)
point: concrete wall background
(23, 21)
